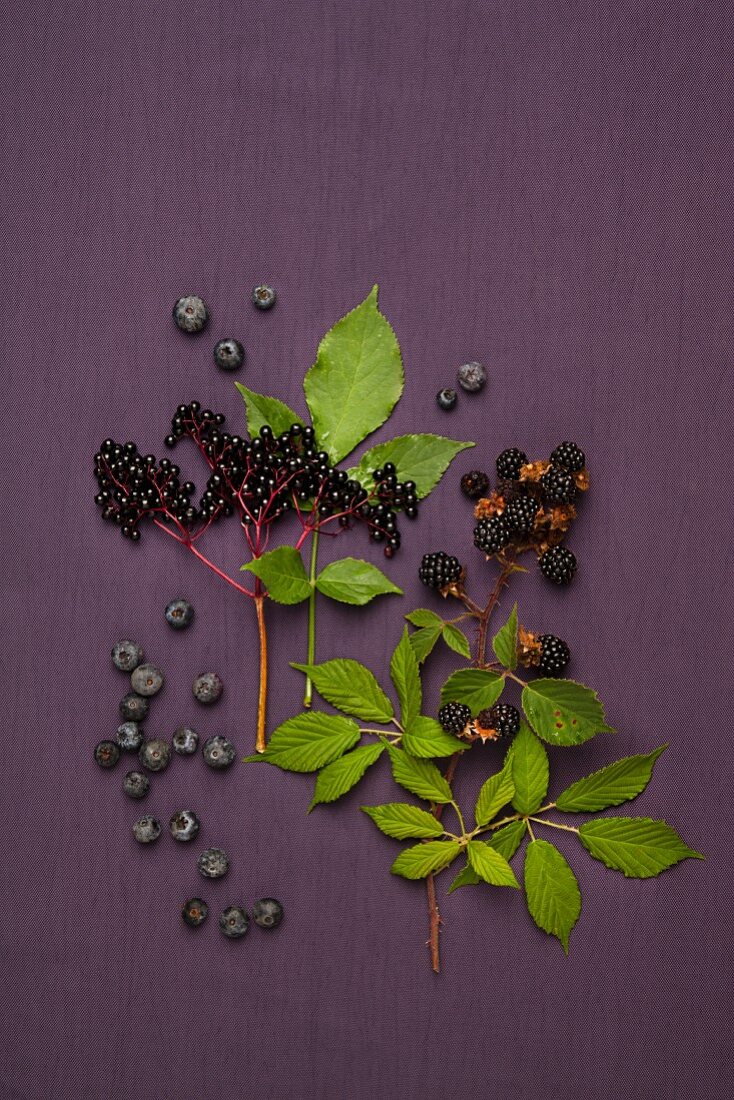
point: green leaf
(455, 639)
(637, 846)
(351, 687)
(340, 776)
(356, 380)
(266, 410)
(353, 581)
(530, 771)
(610, 786)
(403, 821)
(508, 839)
(490, 865)
(420, 458)
(419, 777)
(425, 859)
(423, 617)
(563, 712)
(504, 642)
(553, 895)
(476, 687)
(309, 741)
(467, 876)
(283, 575)
(423, 641)
(495, 793)
(425, 738)
(406, 677)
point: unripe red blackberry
(558, 564)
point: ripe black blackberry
(558, 486)
(520, 513)
(554, 655)
(558, 564)
(510, 462)
(569, 456)
(474, 484)
(492, 535)
(440, 570)
(502, 718)
(454, 717)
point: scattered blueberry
(130, 736)
(472, 377)
(207, 687)
(185, 741)
(446, 399)
(229, 354)
(234, 922)
(218, 752)
(147, 829)
(155, 754)
(179, 614)
(107, 753)
(190, 313)
(127, 655)
(184, 825)
(267, 913)
(136, 785)
(133, 707)
(195, 912)
(213, 863)
(146, 680)
(263, 297)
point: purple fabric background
(542, 186)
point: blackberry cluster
(440, 570)
(454, 717)
(501, 720)
(493, 534)
(558, 564)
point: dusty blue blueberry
(155, 754)
(213, 863)
(190, 313)
(218, 752)
(146, 680)
(267, 913)
(229, 354)
(184, 825)
(147, 829)
(472, 377)
(130, 736)
(185, 741)
(133, 707)
(107, 753)
(207, 687)
(136, 785)
(446, 399)
(195, 912)
(127, 655)
(179, 614)
(234, 922)
(263, 297)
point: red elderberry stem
(210, 564)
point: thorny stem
(434, 916)
(311, 651)
(260, 743)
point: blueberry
(136, 785)
(207, 687)
(218, 752)
(127, 655)
(107, 753)
(263, 297)
(190, 313)
(472, 377)
(195, 912)
(147, 829)
(179, 614)
(213, 863)
(146, 680)
(184, 825)
(155, 755)
(229, 354)
(267, 913)
(130, 736)
(234, 922)
(133, 707)
(185, 741)
(446, 399)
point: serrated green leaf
(476, 687)
(508, 839)
(356, 380)
(639, 847)
(353, 581)
(420, 458)
(504, 642)
(403, 821)
(424, 738)
(340, 776)
(530, 771)
(419, 777)
(610, 786)
(490, 865)
(406, 677)
(283, 574)
(423, 641)
(455, 639)
(467, 876)
(425, 859)
(553, 895)
(310, 741)
(350, 687)
(495, 793)
(266, 410)
(563, 712)
(423, 617)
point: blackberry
(190, 313)
(218, 752)
(184, 825)
(569, 456)
(107, 753)
(503, 718)
(439, 570)
(147, 829)
(472, 377)
(213, 863)
(520, 513)
(130, 736)
(127, 655)
(133, 707)
(454, 717)
(554, 655)
(267, 913)
(185, 741)
(446, 399)
(155, 755)
(229, 354)
(263, 297)
(146, 680)
(179, 614)
(234, 922)
(558, 564)
(207, 687)
(195, 912)
(558, 486)
(136, 785)
(474, 484)
(510, 462)
(492, 535)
